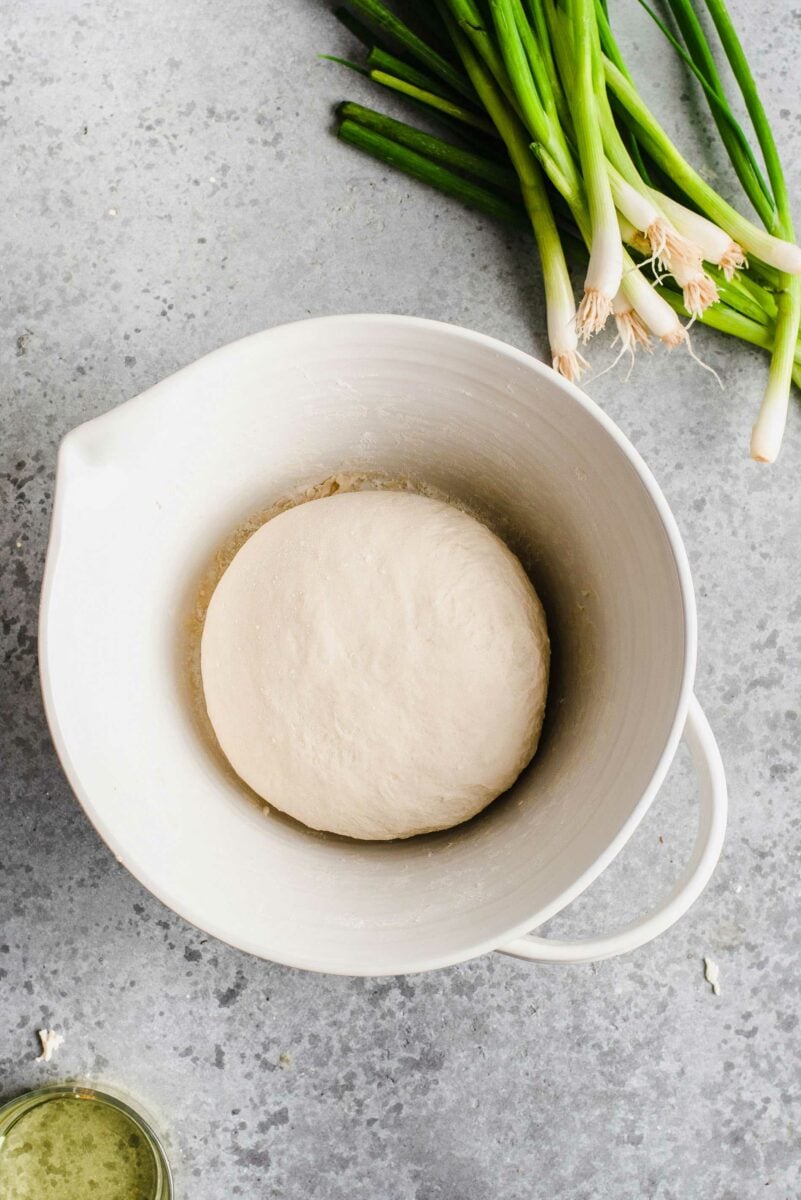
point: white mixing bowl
(148, 492)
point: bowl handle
(708, 844)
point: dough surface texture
(375, 664)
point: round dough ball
(375, 664)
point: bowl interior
(148, 493)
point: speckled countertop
(168, 185)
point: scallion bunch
(545, 128)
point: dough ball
(375, 664)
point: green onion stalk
(605, 271)
(377, 16)
(465, 162)
(768, 431)
(450, 108)
(560, 304)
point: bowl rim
(422, 962)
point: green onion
(440, 177)
(715, 245)
(672, 251)
(463, 161)
(440, 102)
(380, 60)
(561, 310)
(383, 19)
(465, 16)
(745, 81)
(783, 255)
(768, 431)
(767, 434)
(651, 306)
(581, 160)
(606, 257)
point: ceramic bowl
(148, 494)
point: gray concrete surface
(169, 184)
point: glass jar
(71, 1141)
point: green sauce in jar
(77, 1144)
